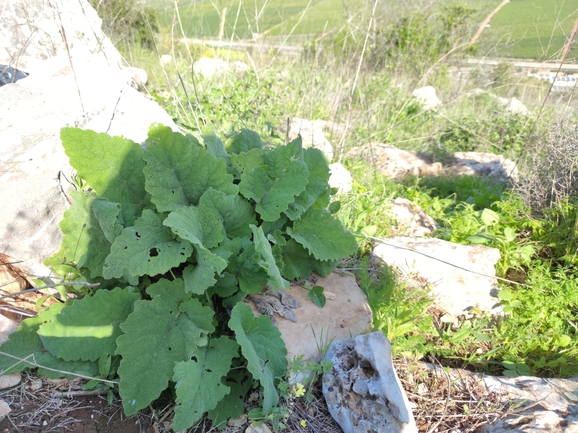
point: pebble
(237, 422)
(10, 380)
(4, 409)
(258, 429)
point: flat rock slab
(462, 277)
(362, 390)
(345, 314)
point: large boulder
(87, 89)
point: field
(531, 29)
(298, 18)
(522, 28)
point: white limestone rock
(446, 267)
(411, 219)
(427, 97)
(395, 163)
(362, 390)
(340, 178)
(97, 95)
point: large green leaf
(274, 185)
(147, 248)
(323, 236)
(317, 185)
(89, 226)
(89, 327)
(158, 334)
(268, 262)
(199, 382)
(262, 346)
(112, 166)
(179, 170)
(25, 343)
(200, 276)
(233, 404)
(297, 264)
(236, 212)
(243, 141)
(197, 225)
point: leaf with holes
(147, 248)
(158, 334)
(199, 382)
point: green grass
(273, 18)
(530, 29)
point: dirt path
(487, 21)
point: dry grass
(442, 401)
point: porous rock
(89, 90)
(462, 277)
(362, 390)
(345, 314)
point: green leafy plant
(177, 233)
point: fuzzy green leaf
(89, 226)
(197, 225)
(274, 185)
(201, 276)
(199, 382)
(236, 212)
(322, 235)
(147, 248)
(25, 343)
(158, 334)
(112, 166)
(262, 346)
(89, 327)
(317, 185)
(243, 141)
(268, 263)
(179, 170)
(233, 404)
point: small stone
(237, 422)
(258, 429)
(10, 380)
(4, 409)
(34, 385)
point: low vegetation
(362, 81)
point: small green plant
(177, 234)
